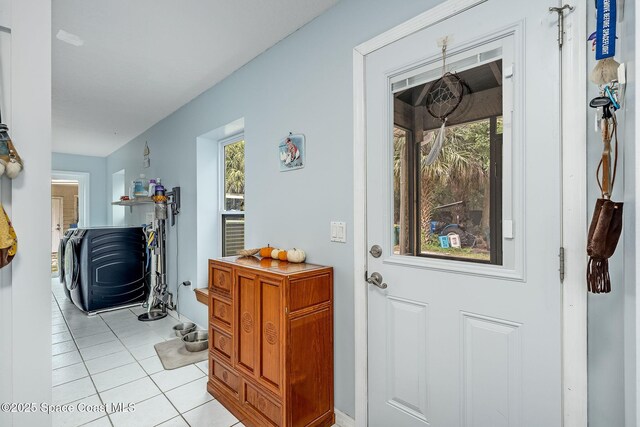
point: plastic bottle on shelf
(145, 183)
(139, 190)
(132, 189)
(152, 187)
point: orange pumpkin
(282, 255)
(266, 252)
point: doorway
(118, 189)
(64, 214)
(69, 208)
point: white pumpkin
(296, 255)
(274, 253)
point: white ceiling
(143, 59)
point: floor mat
(173, 354)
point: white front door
(467, 331)
(56, 222)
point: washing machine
(106, 268)
(61, 248)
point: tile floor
(109, 358)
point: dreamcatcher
(444, 97)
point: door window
(450, 208)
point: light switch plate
(338, 232)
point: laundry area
(117, 338)
(319, 213)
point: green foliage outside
(234, 175)
(461, 173)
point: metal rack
(165, 208)
(133, 202)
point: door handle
(376, 279)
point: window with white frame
(452, 207)
(232, 195)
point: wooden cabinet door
(246, 322)
(271, 360)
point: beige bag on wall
(8, 239)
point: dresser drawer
(224, 376)
(221, 344)
(256, 401)
(220, 279)
(222, 314)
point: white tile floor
(109, 358)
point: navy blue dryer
(61, 248)
(106, 268)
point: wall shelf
(202, 295)
(134, 202)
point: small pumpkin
(282, 255)
(275, 252)
(266, 251)
(296, 255)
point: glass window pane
(234, 176)
(455, 199)
(450, 207)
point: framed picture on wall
(292, 153)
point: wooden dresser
(271, 341)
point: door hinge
(561, 256)
(560, 12)
(366, 275)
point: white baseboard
(343, 420)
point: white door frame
(83, 179)
(574, 206)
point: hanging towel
(8, 239)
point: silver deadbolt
(375, 251)
(376, 279)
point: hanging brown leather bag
(606, 223)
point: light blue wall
(612, 317)
(99, 202)
(630, 230)
(303, 84)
